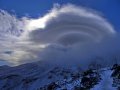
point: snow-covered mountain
(34, 77)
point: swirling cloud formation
(68, 25)
(65, 34)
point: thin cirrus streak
(63, 27)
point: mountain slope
(34, 77)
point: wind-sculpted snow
(66, 35)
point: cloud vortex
(66, 33)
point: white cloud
(60, 23)
(67, 34)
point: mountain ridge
(33, 77)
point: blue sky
(35, 8)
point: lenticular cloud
(68, 25)
(65, 34)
